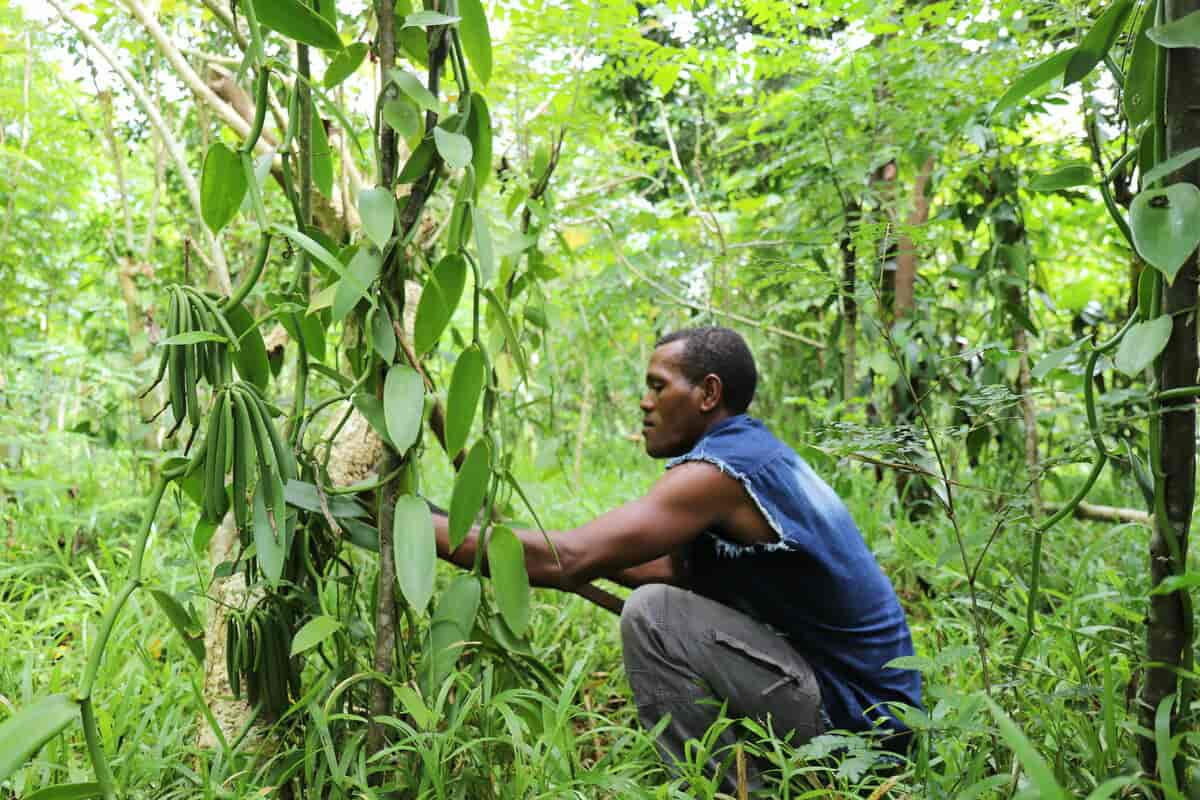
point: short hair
(722, 352)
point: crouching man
(753, 587)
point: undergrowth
(1060, 722)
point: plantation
(338, 371)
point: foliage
(632, 169)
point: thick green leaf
(202, 534)
(270, 545)
(425, 19)
(415, 550)
(302, 494)
(1097, 41)
(296, 20)
(459, 603)
(313, 632)
(1065, 177)
(504, 636)
(510, 333)
(312, 247)
(466, 386)
(414, 44)
(1052, 361)
(479, 131)
(383, 335)
(262, 168)
(1182, 32)
(372, 410)
(483, 244)
(454, 148)
(24, 733)
(476, 38)
(377, 207)
(327, 9)
(1142, 344)
(452, 624)
(181, 620)
(413, 41)
(441, 652)
(1139, 77)
(1167, 166)
(322, 157)
(193, 337)
(1166, 226)
(403, 404)
(411, 86)
(506, 562)
(439, 298)
(67, 791)
(251, 356)
(312, 331)
(222, 186)
(470, 488)
(1033, 79)
(362, 535)
(361, 273)
(403, 117)
(344, 64)
(418, 163)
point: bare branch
(219, 267)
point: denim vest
(818, 585)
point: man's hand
(686, 501)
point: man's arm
(670, 568)
(687, 500)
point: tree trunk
(1169, 627)
(385, 600)
(1028, 415)
(849, 304)
(906, 258)
(913, 490)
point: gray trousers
(681, 648)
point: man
(753, 586)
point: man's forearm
(464, 556)
(541, 562)
(661, 570)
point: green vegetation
(275, 272)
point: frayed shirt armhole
(732, 549)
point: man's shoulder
(739, 444)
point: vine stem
(1039, 533)
(379, 701)
(83, 695)
(244, 288)
(1102, 457)
(132, 582)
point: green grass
(494, 731)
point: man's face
(673, 413)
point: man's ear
(713, 392)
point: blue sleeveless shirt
(818, 585)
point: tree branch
(219, 267)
